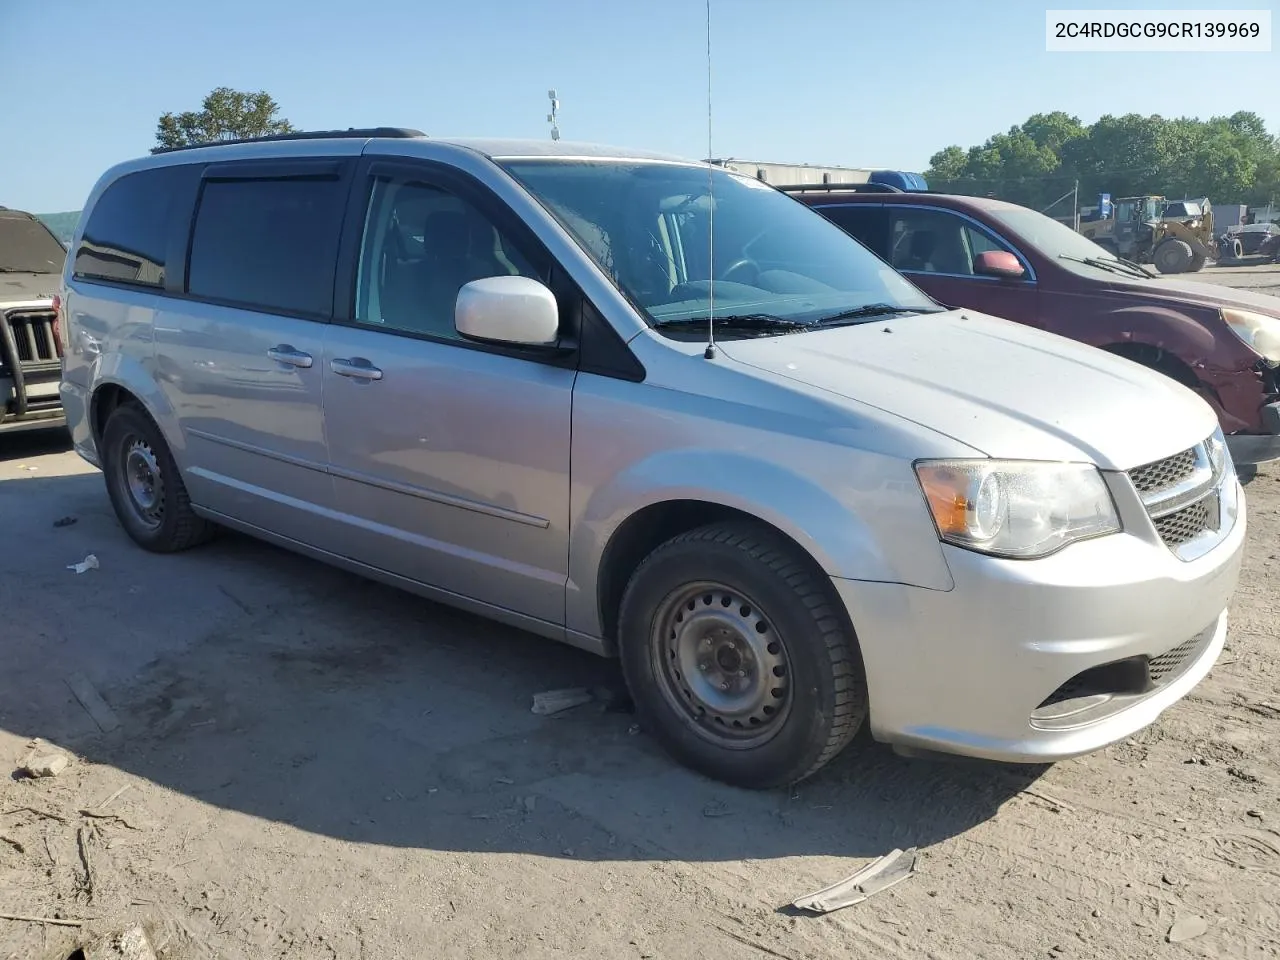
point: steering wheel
(745, 263)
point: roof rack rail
(844, 187)
(355, 133)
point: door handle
(358, 368)
(284, 353)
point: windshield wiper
(753, 322)
(868, 312)
(1138, 267)
(1123, 267)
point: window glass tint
(271, 244)
(128, 229)
(420, 246)
(935, 241)
(865, 224)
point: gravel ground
(317, 766)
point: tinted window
(271, 244)
(128, 229)
(420, 246)
(868, 225)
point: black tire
(156, 515)
(1173, 256)
(1197, 263)
(740, 573)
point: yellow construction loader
(1174, 235)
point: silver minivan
(483, 371)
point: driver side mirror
(510, 310)
(998, 263)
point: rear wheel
(736, 658)
(144, 484)
(1173, 256)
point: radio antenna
(710, 352)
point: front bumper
(1248, 449)
(970, 670)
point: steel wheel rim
(721, 664)
(142, 481)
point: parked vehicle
(480, 371)
(1175, 235)
(1012, 262)
(31, 262)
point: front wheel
(736, 658)
(1173, 256)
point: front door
(450, 460)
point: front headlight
(1258, 331)
(1012, 508)
(1219, 455)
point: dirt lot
(316, 766)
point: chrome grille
(1186, 524)
(1164, 473)
(1182, 495)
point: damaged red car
(1012, 262)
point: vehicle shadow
(260, 682)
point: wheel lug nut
(742, 673)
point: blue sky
(852, 82)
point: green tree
(225, 114)
(1230, 159)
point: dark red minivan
(1012, 262)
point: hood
(999, 387)
(1205, 294)
(28, 286)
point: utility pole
(553, 116)
(1075, 205)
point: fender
(131, 373)
(838, 535)
(1162, 327)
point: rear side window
(127, 234)
(270, 244)
(866, 224)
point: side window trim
(981, 228)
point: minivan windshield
(777, 266)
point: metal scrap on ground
(557, 701)
(889, 870)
